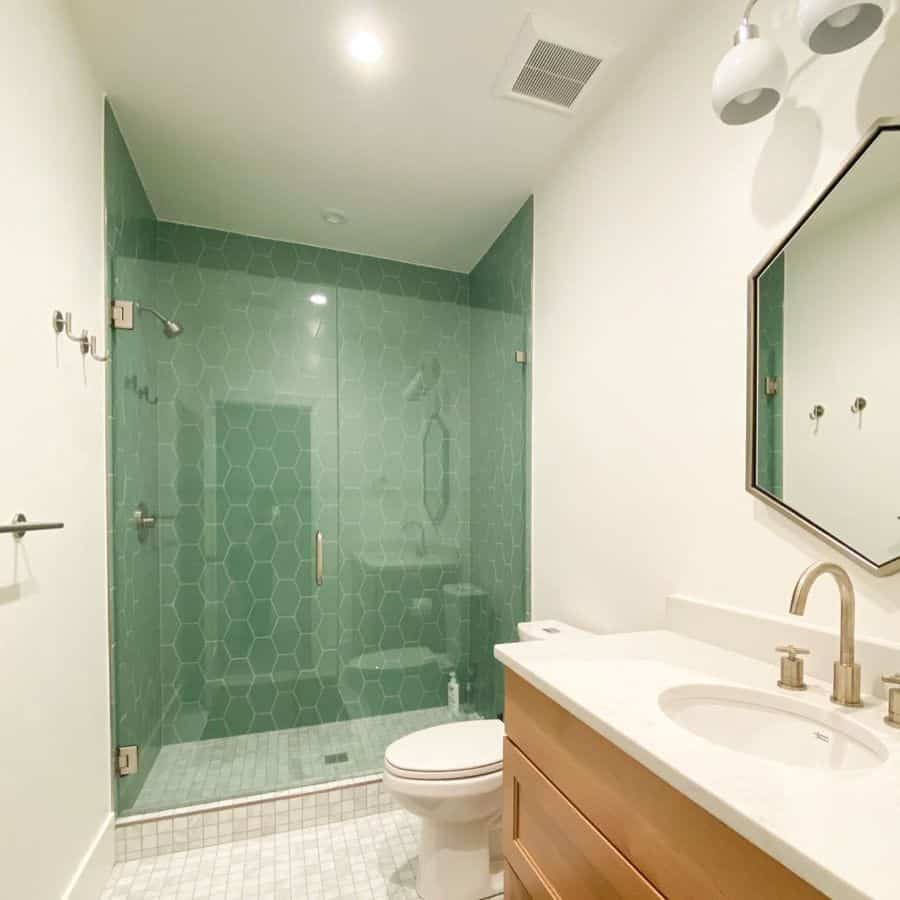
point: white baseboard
(93, 871)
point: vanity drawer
(681, 849)
(555, 851)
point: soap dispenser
(453, 694)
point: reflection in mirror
(436, 468)
(827, 377)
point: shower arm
(150, 309)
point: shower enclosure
(318, 497)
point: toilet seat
(449, 752)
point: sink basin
(783, 729)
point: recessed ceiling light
(366, 47)
(318, 299)
(334, 217)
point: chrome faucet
(847, 673)
(421, 550)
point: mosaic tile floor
(204, 771)
(368, 858)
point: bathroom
(400, 500)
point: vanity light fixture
(750, 80)
(318, 299)
(832, 26)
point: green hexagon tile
(392, 417)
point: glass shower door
(248, 437)
(240, 458)
(403, 368)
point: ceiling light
(750, 80)
(318, 299)
(831, 26)
(365, 47)
(334, 217)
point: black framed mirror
(823, 424)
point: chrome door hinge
(126, 760)
(123, 314)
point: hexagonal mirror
(824, 371)
(436, 469)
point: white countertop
(839, 830)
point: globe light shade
(832, 26)
(750, 80)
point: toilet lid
(456, 750)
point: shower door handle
(320, 559)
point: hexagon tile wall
(271, 417)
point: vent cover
(555, 74)
(551, 65)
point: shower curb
(205, 825)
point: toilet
(451, 776)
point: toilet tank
(548, 630)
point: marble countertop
(836, 829)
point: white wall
(644, 238)
(841, 322)
(54, 700)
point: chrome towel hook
(94, 354)
(62, 324)
(817, 412)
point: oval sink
(778, 728)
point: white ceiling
(249, 115)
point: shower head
(171, 328)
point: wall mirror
(824, 366)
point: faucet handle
(792, 668)
(893, 716)
(793, 652)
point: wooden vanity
(584, 820)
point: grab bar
(320, 559)
(21, 526)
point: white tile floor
(368, 858)
(204, 771)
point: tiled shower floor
(360, 859)
(204, 771)
(367, 858)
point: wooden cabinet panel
(513, 889)
(554, 849)
(685, 852)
